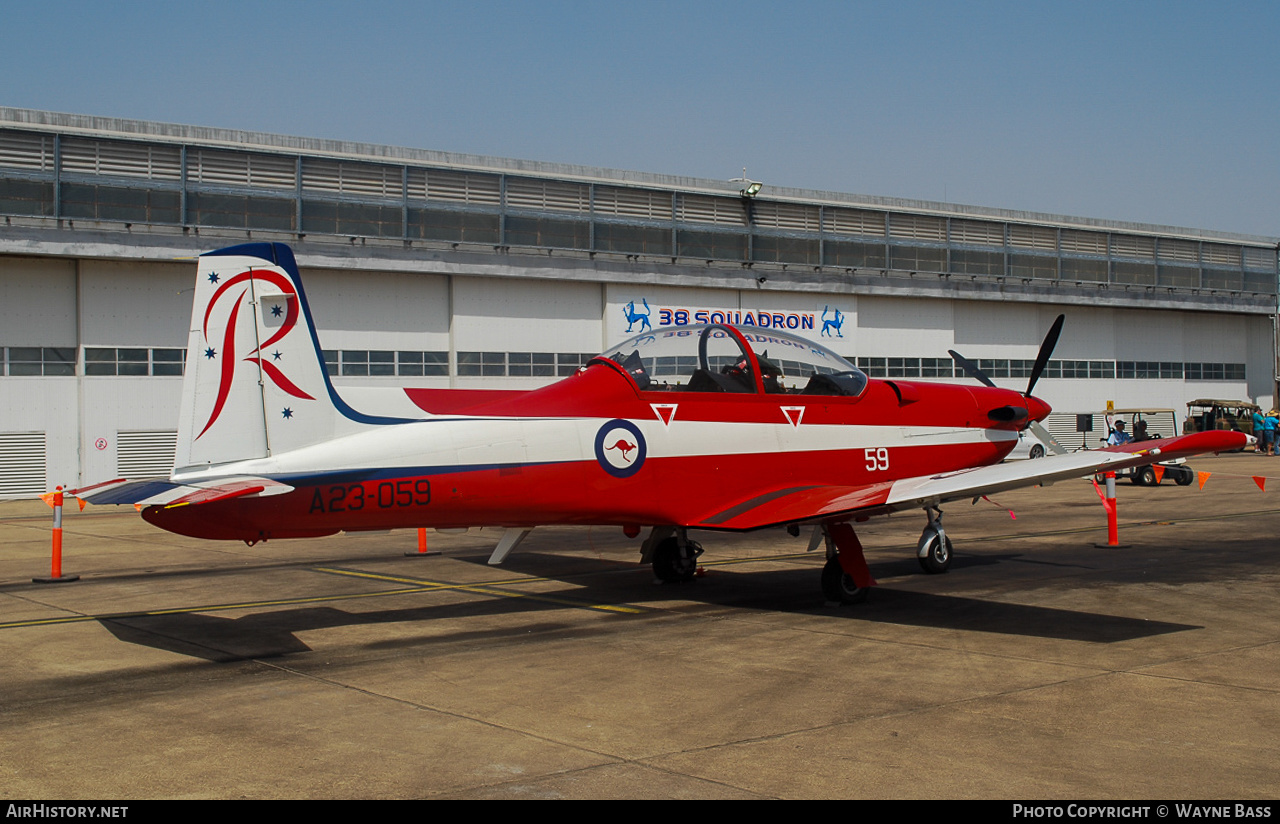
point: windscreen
(712, 358)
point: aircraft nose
(1038, 409)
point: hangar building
(439, 269)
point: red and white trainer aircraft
(683, 428)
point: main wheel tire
(1037, 451)
(1185, 476)
(670, 567)
(838, 585)
(937, 559)
(1146, 476)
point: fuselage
(597, 448)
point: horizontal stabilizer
(163, 492)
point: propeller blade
(1046, 349)
(1054, 447)
(970, 368)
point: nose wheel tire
(937, 559)
(838, 585)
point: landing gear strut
(934, 549)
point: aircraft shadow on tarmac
(273, 632)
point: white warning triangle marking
(666, 412)
(793, 413)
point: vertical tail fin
(255, 381)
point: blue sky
(1152, 112)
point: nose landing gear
(934, 548)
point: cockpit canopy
(719, 358)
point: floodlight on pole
(747, 187)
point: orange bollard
(1109, 504)
(422, 546)
(55, 573)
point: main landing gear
(846, 578)
(934, 548)
(674, 556)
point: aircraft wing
(163, 492)
(802, 504)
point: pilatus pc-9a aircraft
(709, 428)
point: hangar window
(520, 364)
(384, 363)
(1231, 279)
(773, 249)
(1214, 371)
(1078, 269)
(453, 225)
(37, 360)
(427, 364)
(874, 367)
(482, 364)
(1148, 370)
(917, 259)
(240, 211)
(903, 368)
(130, 361)
(937, 368)
(547, 232)
(531, 364)
(1187, 276)
(711, 245)
(640, 240)
(1139, 273)
(569, 362)
(857, 255)
(1033, 266)
(358, 219)
(26, 197)
(1262, 282)
(122, 203)
(970, 262)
